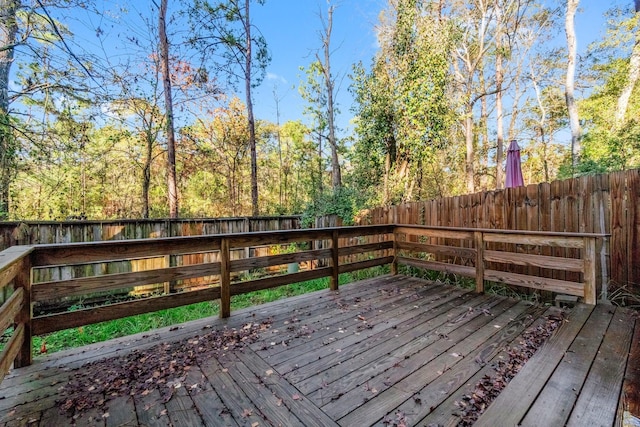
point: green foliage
(404, 114)
(344, 203)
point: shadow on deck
(387, 351)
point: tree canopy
(85, 133)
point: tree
(227, 26)
(329, 82)
(31, 38)
(403, 107)
(572, 107)
(633, 74)
(163, 40)
(8, 32)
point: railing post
(394, 264)
(334, 261)
(590, 270)
(225, 278)
(478, 239)
(23, 280)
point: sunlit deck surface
(387, 351)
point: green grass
(89, 334)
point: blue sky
(293, 30)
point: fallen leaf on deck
(296, 397)
(269, 372)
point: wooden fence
(45, 232)
(602, 204)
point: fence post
(394, 264)
(590, 270)
(334, 261)
(225, 278)
(23, 280)
(478, 239)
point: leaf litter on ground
(472, 405)
(163, 367)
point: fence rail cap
(502, 231)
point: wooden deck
(387, 351)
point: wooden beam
(11, 262)
(11, 350)
(527, 239)
(23, 281)
(543, 283)
(480, 257)
(116, 250)
(10, 309)
(460, 270)
(438, 249)
(285, 279)
(441, 232)
(361, 249)
(590, 265)
(268, 261)
(543, 261)
(334, 261)
(225, 279)
(360, 265)
(73, 319)
(86, 285)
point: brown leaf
(296, 397)
(246, 413)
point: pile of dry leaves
(489, 387)
(161, 367)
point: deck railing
(529, 259)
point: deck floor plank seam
(379, 345)
(384, 403)
(400, 364)
(446, 413)
(555, 402)
(514, 401)
(330, 348)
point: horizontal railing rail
(519, 258)
(236, 264)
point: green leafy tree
(404, 113)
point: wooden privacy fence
(43, 232)
(601, 204)
(346, 249)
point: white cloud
(273, 76)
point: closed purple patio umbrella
(514, 169)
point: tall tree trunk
(483, 135)
(574, 121)
(470, 158)
(255, 211)
(146, 176)
(499, 111)
(336, 176)
(632, 79)
(172, 187)
(8, 32)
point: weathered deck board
(447, 413)
(357, 357)
(554, 403)
(597, 403)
